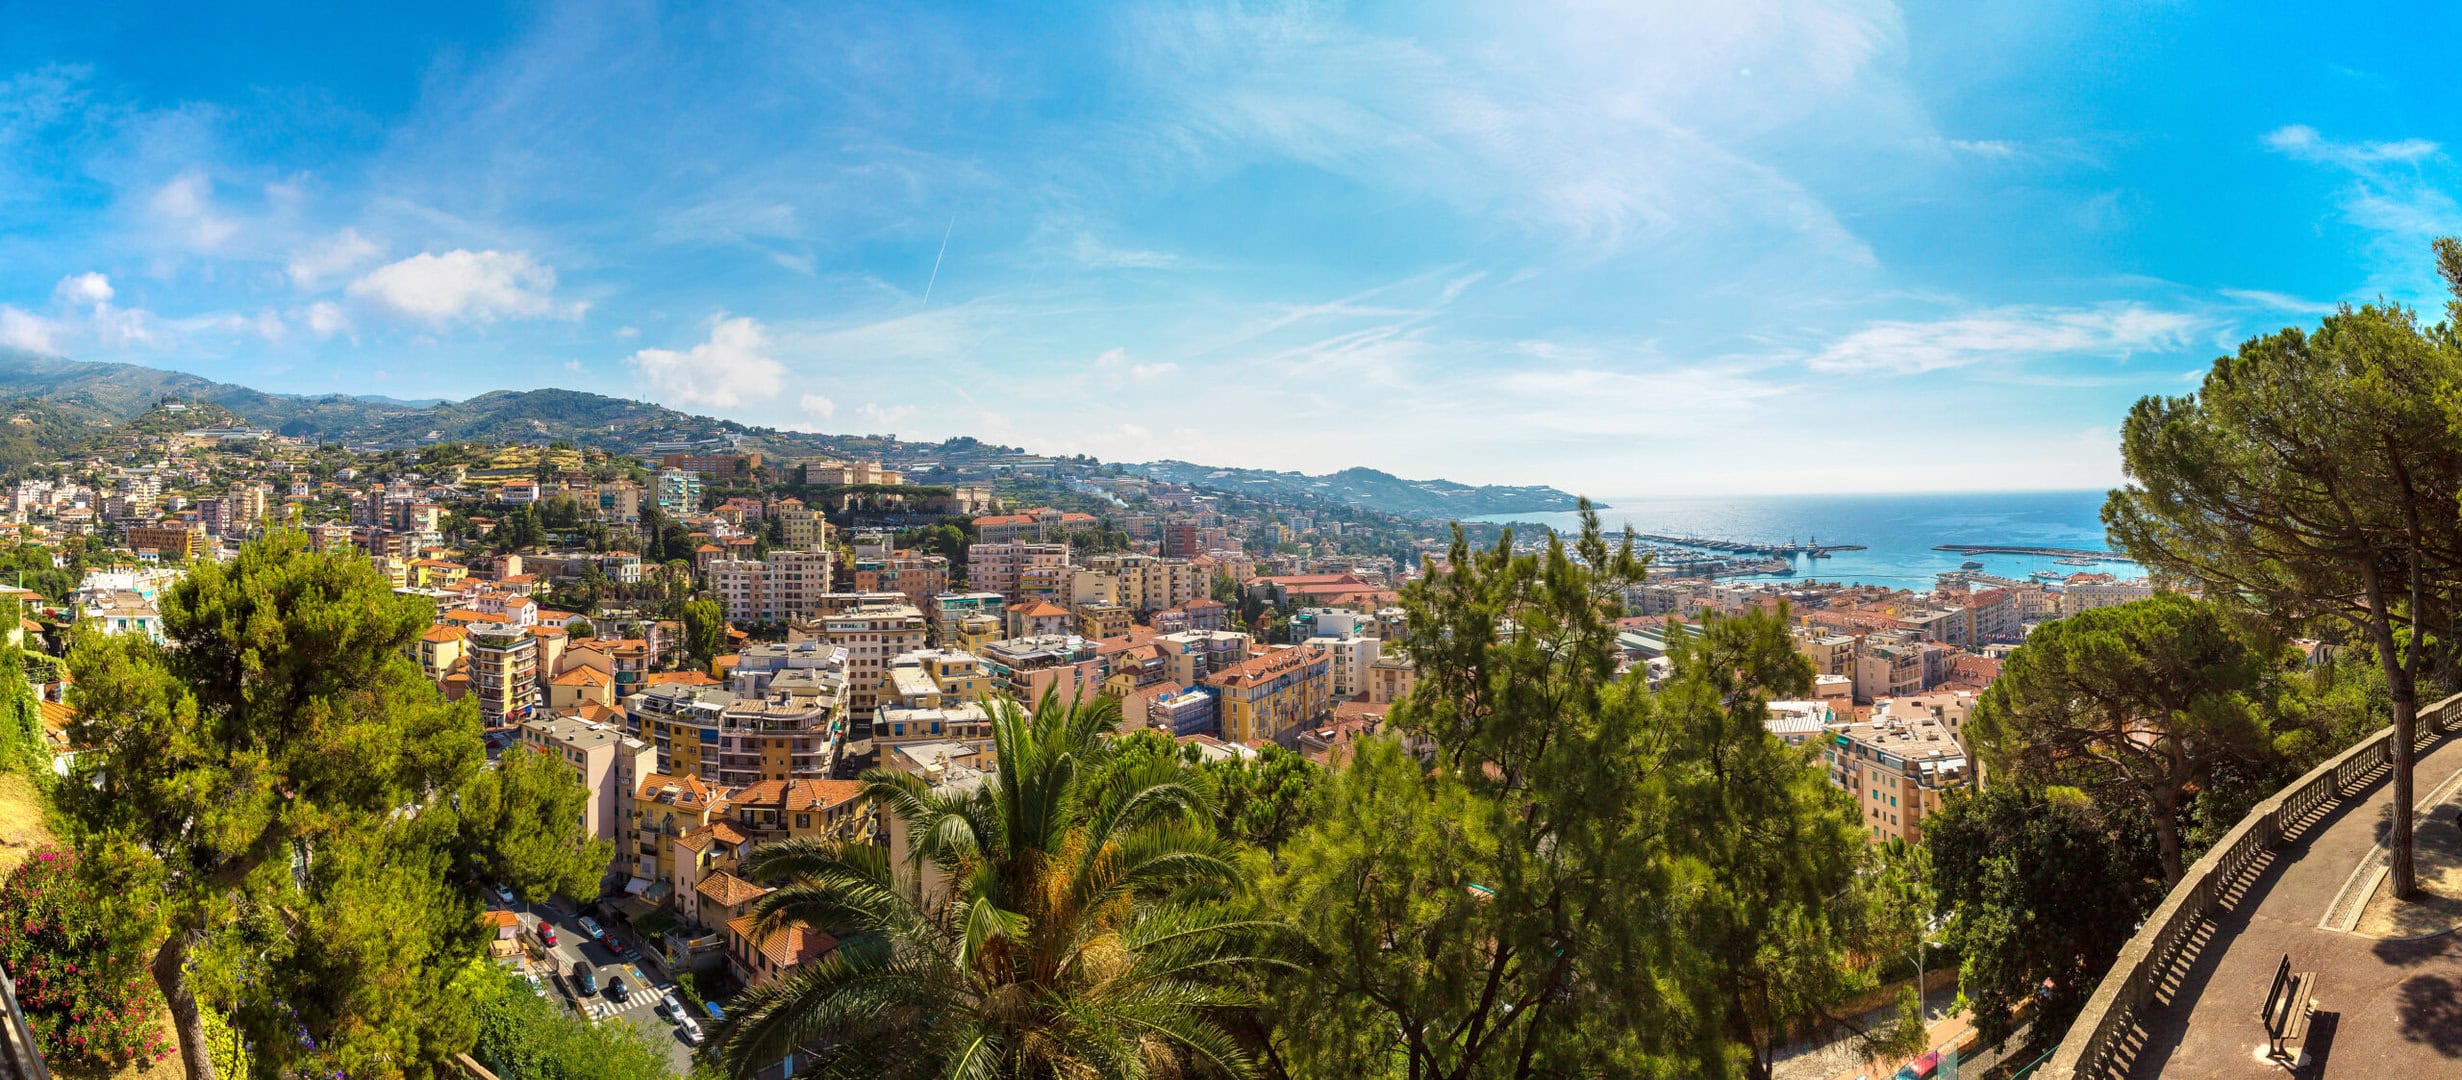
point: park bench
(2288, 1005)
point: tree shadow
(2430, 1011)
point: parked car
(615, 988)
(590, 926)
(670, 1008)
(547, 934)
(617, 946)
(716, 1013)
(503, 895)
(689, 1030)
(585, 978)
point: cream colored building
(871, 635)
(788, 585)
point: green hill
(63, 403)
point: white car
(668, 1006)
(690, 1030)
(590, 926)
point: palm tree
(1060, 920)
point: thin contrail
(944, 250)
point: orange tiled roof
(678, 678)
(727, 890)
(803, 795)
(584, 675)
(785, 947)
(444, 633)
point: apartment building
(2086, 592)
(918, 578)
(758, 663)
(1390, 678)
(1040, 523)
(504, 672)
(1898, 767)
(1025, 668)
(1831, 654)
(1191, 655)
(609, 763)
(1002, 567)
(619, 502)
(800, 809)
(666, 807)
(968, 723)
(1885, 668)
(787, 585)
(1349, 657)
(177, 542)
(1149, 583)
(683, 723)
(794, 729)
(871, 635)
(440, 651)
(1272, 697)
(677, 493)
(806, 528)
(850, 474)
(934, 678)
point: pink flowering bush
(86, 998)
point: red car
(547, 934)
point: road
(643, 979)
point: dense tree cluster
(292, 823)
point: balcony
(2301, 876)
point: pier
(2050, 552)
(1741, 547)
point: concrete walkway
(2385, 1007)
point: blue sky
(1625, 249)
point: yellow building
(664, 809)
(1270, 697)
(806, 527)
(570, 690)
(440, 650)
(798, 809)
(1103, 620)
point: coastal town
(718, 643)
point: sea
(1898, 532)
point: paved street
(643, 979)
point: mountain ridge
(102, 393)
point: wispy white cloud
(318, 264)
(2303, 142)
(2004, 336)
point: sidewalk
(1939, 1034)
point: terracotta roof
(786, 947)
(690, 791)
(678, 678)
(598, 714)
(727, 890)
(499, 919)
(584, 675)
(1042, 610)
(719, 831)
(444, 633)
(804, 795)
(1270, 664)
